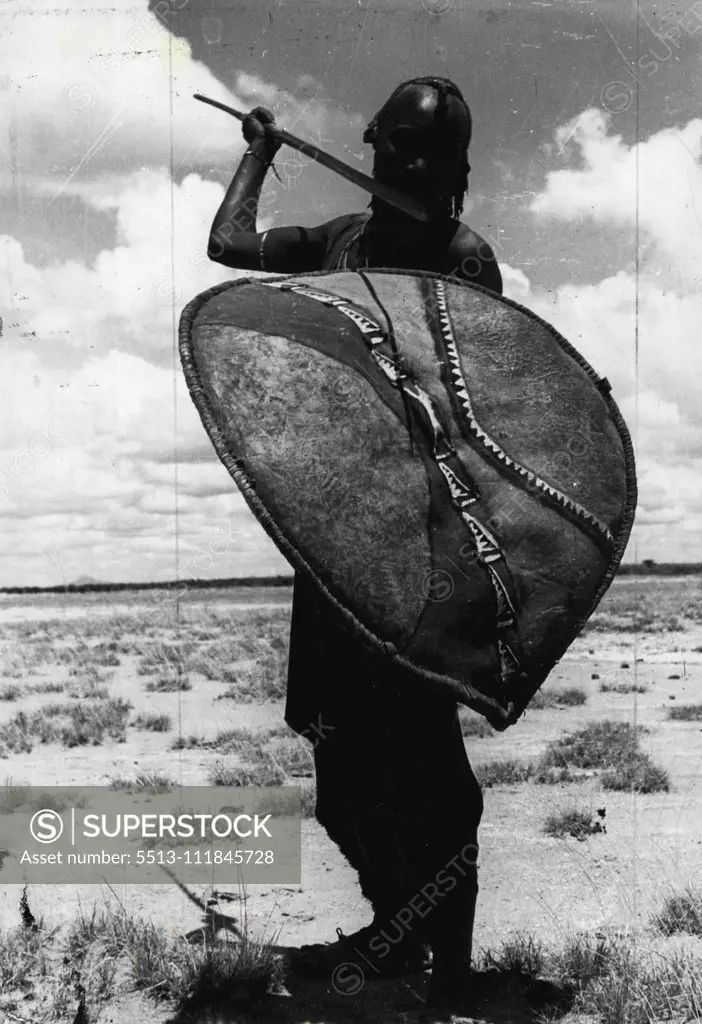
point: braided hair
(444, 88)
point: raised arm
(234, 240)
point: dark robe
(395, 790)
(321, 652)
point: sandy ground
(529, 882)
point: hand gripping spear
(385, 192)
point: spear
(385, 192)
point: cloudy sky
(587, 140)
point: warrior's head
(421, 137)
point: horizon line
(647, 566)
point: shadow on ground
(502, 997)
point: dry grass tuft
(521, 953)
(164, 967)
(685, 713)
(308, 798)
(607, 980)
(168, 684)
(614, 747)
(547, 775)
(639, 775)
(265, 773)
(72, 725)
(11, 692)
(87, 689)
(623, 688)
(583, 958)
(604, 744)
(572, 821)
(638, 990)
(153, 723)
(149, 782)
(295, 758)
(569, 697)
(245, 743)
(681, 914)
(189, 743)
(48, 687)
(503, 772)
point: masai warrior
(395, 789)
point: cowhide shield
(449, 471)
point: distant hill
(85, 581)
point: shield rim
(496, 714)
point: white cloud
(106, 88)
(660, 310)
(97, 104)
(94, 412)
(307, 111)
(95, 113)
(515, 284)
(657, 180)
(109, 90)
(79, 480)
(128, 294)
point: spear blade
(387, 193)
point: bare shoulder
(331, 228)
(471, 258)
(291, 250)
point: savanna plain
(590, 906)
